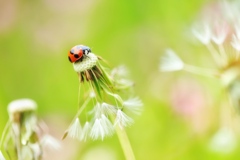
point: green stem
(4, 133)
(124, 141)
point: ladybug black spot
(76, 55)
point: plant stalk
(124, 141)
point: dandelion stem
(79, 94)
(124, 141)
(200, 71)
(81, 109)
(17, 136)
(4, 133)
(214, 54)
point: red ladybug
(78, 52)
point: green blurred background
(35, 37)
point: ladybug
(78, 52)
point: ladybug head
(78, 52)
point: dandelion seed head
(220, 32)
(102, 89)
(237, 30)
(102, 127)
(86, 131)
(133, 105)
(108, 126)
(108, 109)
(122, 120)
(235, 42)
(21, 105)
(103, 108)
(170, 62)
(97, 130)
(87, 63)
(120, 71)
(75, 130)
(202, 33)
(125, 82)
(119, 76)
(97, 110)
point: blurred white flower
(102, 127)
(24, 131)
(170, 62)
(20, 105)
(224, 141)
(122, 120)
(133, 105)
(202, 32)
(237, 29)
(50, 142)
(75, 130)
(236, 42)
(220, 32)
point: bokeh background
(180, 114)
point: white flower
(21, 105)
(133, 105)
(30, 151)
(50, 142)
(122, 120)
(102, 127)
(86, 131)
(75, 129)
(221, 31)
(224, 141)
(237, 30)
(236, 42)
(202, 33)
(1, 156)
(170, 61)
